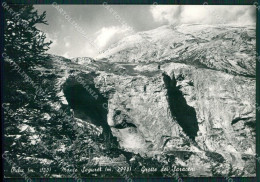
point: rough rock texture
(139, 104)
(221, 136)
(178, 96)
(203, 91)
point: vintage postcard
(129, 91)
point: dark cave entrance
(185, 114)
(87, 102)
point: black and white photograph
(129, 91)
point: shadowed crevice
(184, 114)
(234, 121)
(124, 124)
(87, 102)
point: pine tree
(23, 41)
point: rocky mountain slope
(174, 96)
(225, 48)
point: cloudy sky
(98, 27)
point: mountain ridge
(220, 48)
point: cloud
(53, 38)
(165, 13)
(88, 50)
(103, 38)
(66, 55)
(204, 14)
(67, 44)
(66, 41)
(109, 35)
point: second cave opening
(184, 114)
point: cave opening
(87, 102)
(184, 114)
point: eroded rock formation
(178, 96)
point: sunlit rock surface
(212, 104)
(178, 96)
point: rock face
(138, 112)
(205, 113)
(182, 96)
(82, 60)
(190, 94)
(200, 99)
